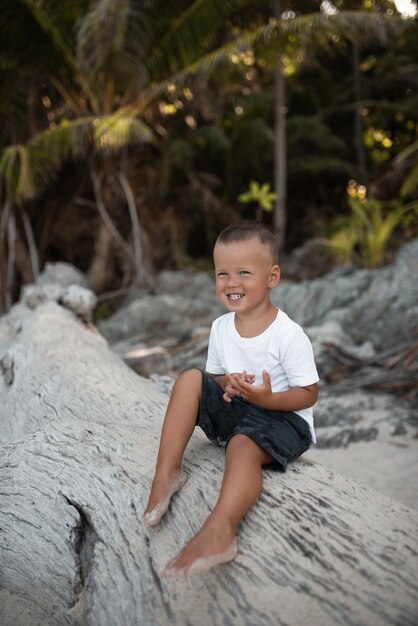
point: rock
(187, 284)
(80, 434)
(160, 316)
(370, 310)
(62, 274)
(329, 331)
(379, 305)
(164, 382)
(78, 299)
(62, 283)
(147, 361)
(359, 412)
(311, 260)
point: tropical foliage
(131, 127)
(261, 195)
(364, 235)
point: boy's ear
(274, 276)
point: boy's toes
(153, 517)
(206, 563)
(176, 566)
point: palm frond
(410, 183)
(357, 25)
(407, 152)
(25, 171)
(110, 30)
(101, 31)
(404, 160)
(74, 138)
(219, 61)
(59, 41)
(116, 131)
(47, 24)
(191, 31)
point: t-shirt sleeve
(213, 364)
(298, 360)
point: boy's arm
(221, 380)
(293, 399)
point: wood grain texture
(80, 433)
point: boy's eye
(221, 274)
(244, 272)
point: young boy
(255, 396)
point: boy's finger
(242, 386)
(266, 377)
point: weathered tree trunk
(80, 433)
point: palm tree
(115, 60)
(316, 31)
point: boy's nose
(233, 281)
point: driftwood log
(80, 433)
(393, 370)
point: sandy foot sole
(154, 516)
(203, 564)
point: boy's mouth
(235, 296)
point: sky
(407, 8)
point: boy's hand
(257, 394)
(231, 389)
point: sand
(389, 466)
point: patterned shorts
(283, 434)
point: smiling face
(245, 272)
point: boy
(255, 396)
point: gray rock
(370, 310)
(187, 284)
(59, 282)
(62, 274)
(344, 418)
(78, 299)
(379, 306)
(146, 361)
(161, 316)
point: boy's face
(245, 272)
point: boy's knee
(242, 442)
(244, 445)
(192, 376)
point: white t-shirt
(283, 349)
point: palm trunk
(100, 270)
(107, 220)
(33, 252)
(358, 124)
(280, 147)
(136, 229)
(11, 241)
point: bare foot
(161, 492)
(211, 546)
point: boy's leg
(178, 426)
(241, 486)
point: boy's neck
(251, 326)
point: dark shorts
(283, 434)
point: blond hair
(244, 231)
